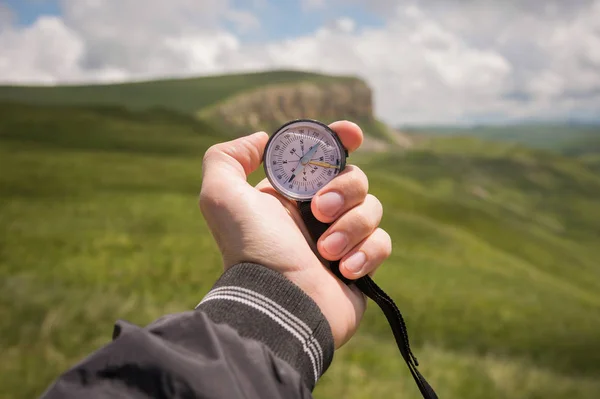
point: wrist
(341, 305)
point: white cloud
(101, 40)
(142, 41)
(45, 52)
(435, 61)
(202, 52)
(344, 24)
(574, 50)
(419, 70)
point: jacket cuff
(263, 305)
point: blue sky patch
(278, 19)
(27, 11)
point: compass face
(302, 157)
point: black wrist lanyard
(372, 290)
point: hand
(257, 224)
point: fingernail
(335, 243)
(329, 204)
(355, 263)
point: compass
(303, 156)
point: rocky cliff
(270, 106)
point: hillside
(495, 261)
(183, 95)
(562, 138)
(591, 160)
(232, 103)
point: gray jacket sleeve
(254, 335)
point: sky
(427, 62)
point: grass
(592, 161)
(495, 261)
(563, 138)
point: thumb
(232, 161)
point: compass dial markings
(288, 167)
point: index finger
(349, 133)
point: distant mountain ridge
(234, 103)
(187, 95)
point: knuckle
(209, 155)
(359, 181)
(386, 242)
(374, 202)
(210, 197)
(205, 200)
(355, 182)
(363, 222)
(212, 151)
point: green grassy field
(565, 139)
(495, 262)
(592, 161)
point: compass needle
(323, 164)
